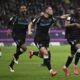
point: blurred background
(9, 8)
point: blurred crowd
(9, 8)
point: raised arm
(69, 24)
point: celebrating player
(42, 37)
(73, 37)
(19, 27)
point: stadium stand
(9, 8)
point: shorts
(42, 41)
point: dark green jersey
(43, 24)
(19, 25)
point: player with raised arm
(73, 37)
(42, 37)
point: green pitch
(31, 70)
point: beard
(24, 13)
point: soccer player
(73, 37)
(19, 25)
(42, 37)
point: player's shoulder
(39, 17)
(36, 19)
(54, 19)
(13, 17)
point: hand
(9, 32)
(29, 33)
(64, 16)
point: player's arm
(10, 22)
(34, 21)
(68, 23)
(68, 19)
(56, 22)
(9, 28)
(71, 25)
(78, 25)
(64, 16)
(9, 25)
(30, 28)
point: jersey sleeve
(54, 20)
(10, 22)
(36, 20)
(70, 19)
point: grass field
(31, 70)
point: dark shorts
(19, 39)
(73, 42)
(42, 41)
(73, 45)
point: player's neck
(46, 15)
(23, 15)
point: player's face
(49, 11)
(23, 10)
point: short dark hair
(45, 7)
(22, 5)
